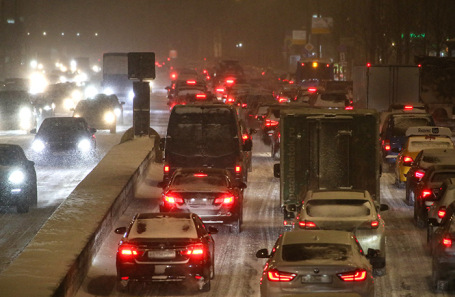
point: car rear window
(441, 176)
(340, 208)
(167, 227)
(311, 251)
(401, 124)
(195, 179)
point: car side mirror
(276, 170)
(120, 230)
(262, 253)
(240, 184)
(31, 163)
(374, 257)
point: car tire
(22, 207)
(410, 198)
(212, 270)
(399, 184)
(379, 271)
(206, 286)
(123, 286)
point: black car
(442, 247)
(166, 247)
(424, 160)
(67, 136)
(428, 190)
(18, 185)
(393, 132)
(102, 112)
(211, 193)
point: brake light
(199, 175)
(173, 76)
(312, 90)
(374, 224)
(408, 107)
(441, 212)
(230, 100)
(172, 199)
(275, 275)
(200, 96)
(226, 200)
(166, 168)
(426, 193)
(190, 82)
(353, 276)
(220, 90)
(195, 250)
(127, 251)
(245, 136)
(282, 100)
(238, 169)
(307, 224)
(419, 174)
(271, 123)
(386, 145)
(447, 242)
(407, 159)
(349, 108)
(230, 81)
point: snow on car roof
(339, 194)
(163, 227)
(418, 143)
(317, 236)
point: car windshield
(313, 251)
(199, 179)
(339, 208)
(401, 124)
(10, 155)
(60, 125)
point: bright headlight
(16, 177)
(84, 145)
(108, 91)
(38, 146)
(47, 107)
(131, 95)
(25, 113)
(68, 103)
(76, 95)
(109, 117)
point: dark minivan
(205, 135)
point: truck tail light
(171, 198)
(220, 90)
(441, 212)
(275, 275)
(419, 174)
(353, 276)
(426, 193)
(408, 107)
(447, 242)
(225, 200)
(307, 225)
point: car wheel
(379, 271)
(411, 198)
(235, 227)
(399, 183)
(22, 207)
(206, 286)
(420, 223)
(429, 236)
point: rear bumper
(161, 272)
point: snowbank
(57, 259)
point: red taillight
(173, 76)
(195, 250)
(426, 193)
(226, 200)
(349, 108)
(220, 90)
(374, 224)
(201, 96)
(447, 242)
(441, 212)
(386, 145)
(172, 199)
(230, 81)
(307, 224)
(282, 100)
(190, 82)
(245, 136)
(408, 107)
(353, 276)
(127, 251)
(199, 175)
(275, 275)
(419, 174)
(230, 100)
(407, 159)
(166, 168)
(312, 90)
(238, 169)
(271, 123)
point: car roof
(163, 225)
(317, 236)
(340, 194)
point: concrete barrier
(56, 261)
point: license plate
(311, 278)
(164, 254)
